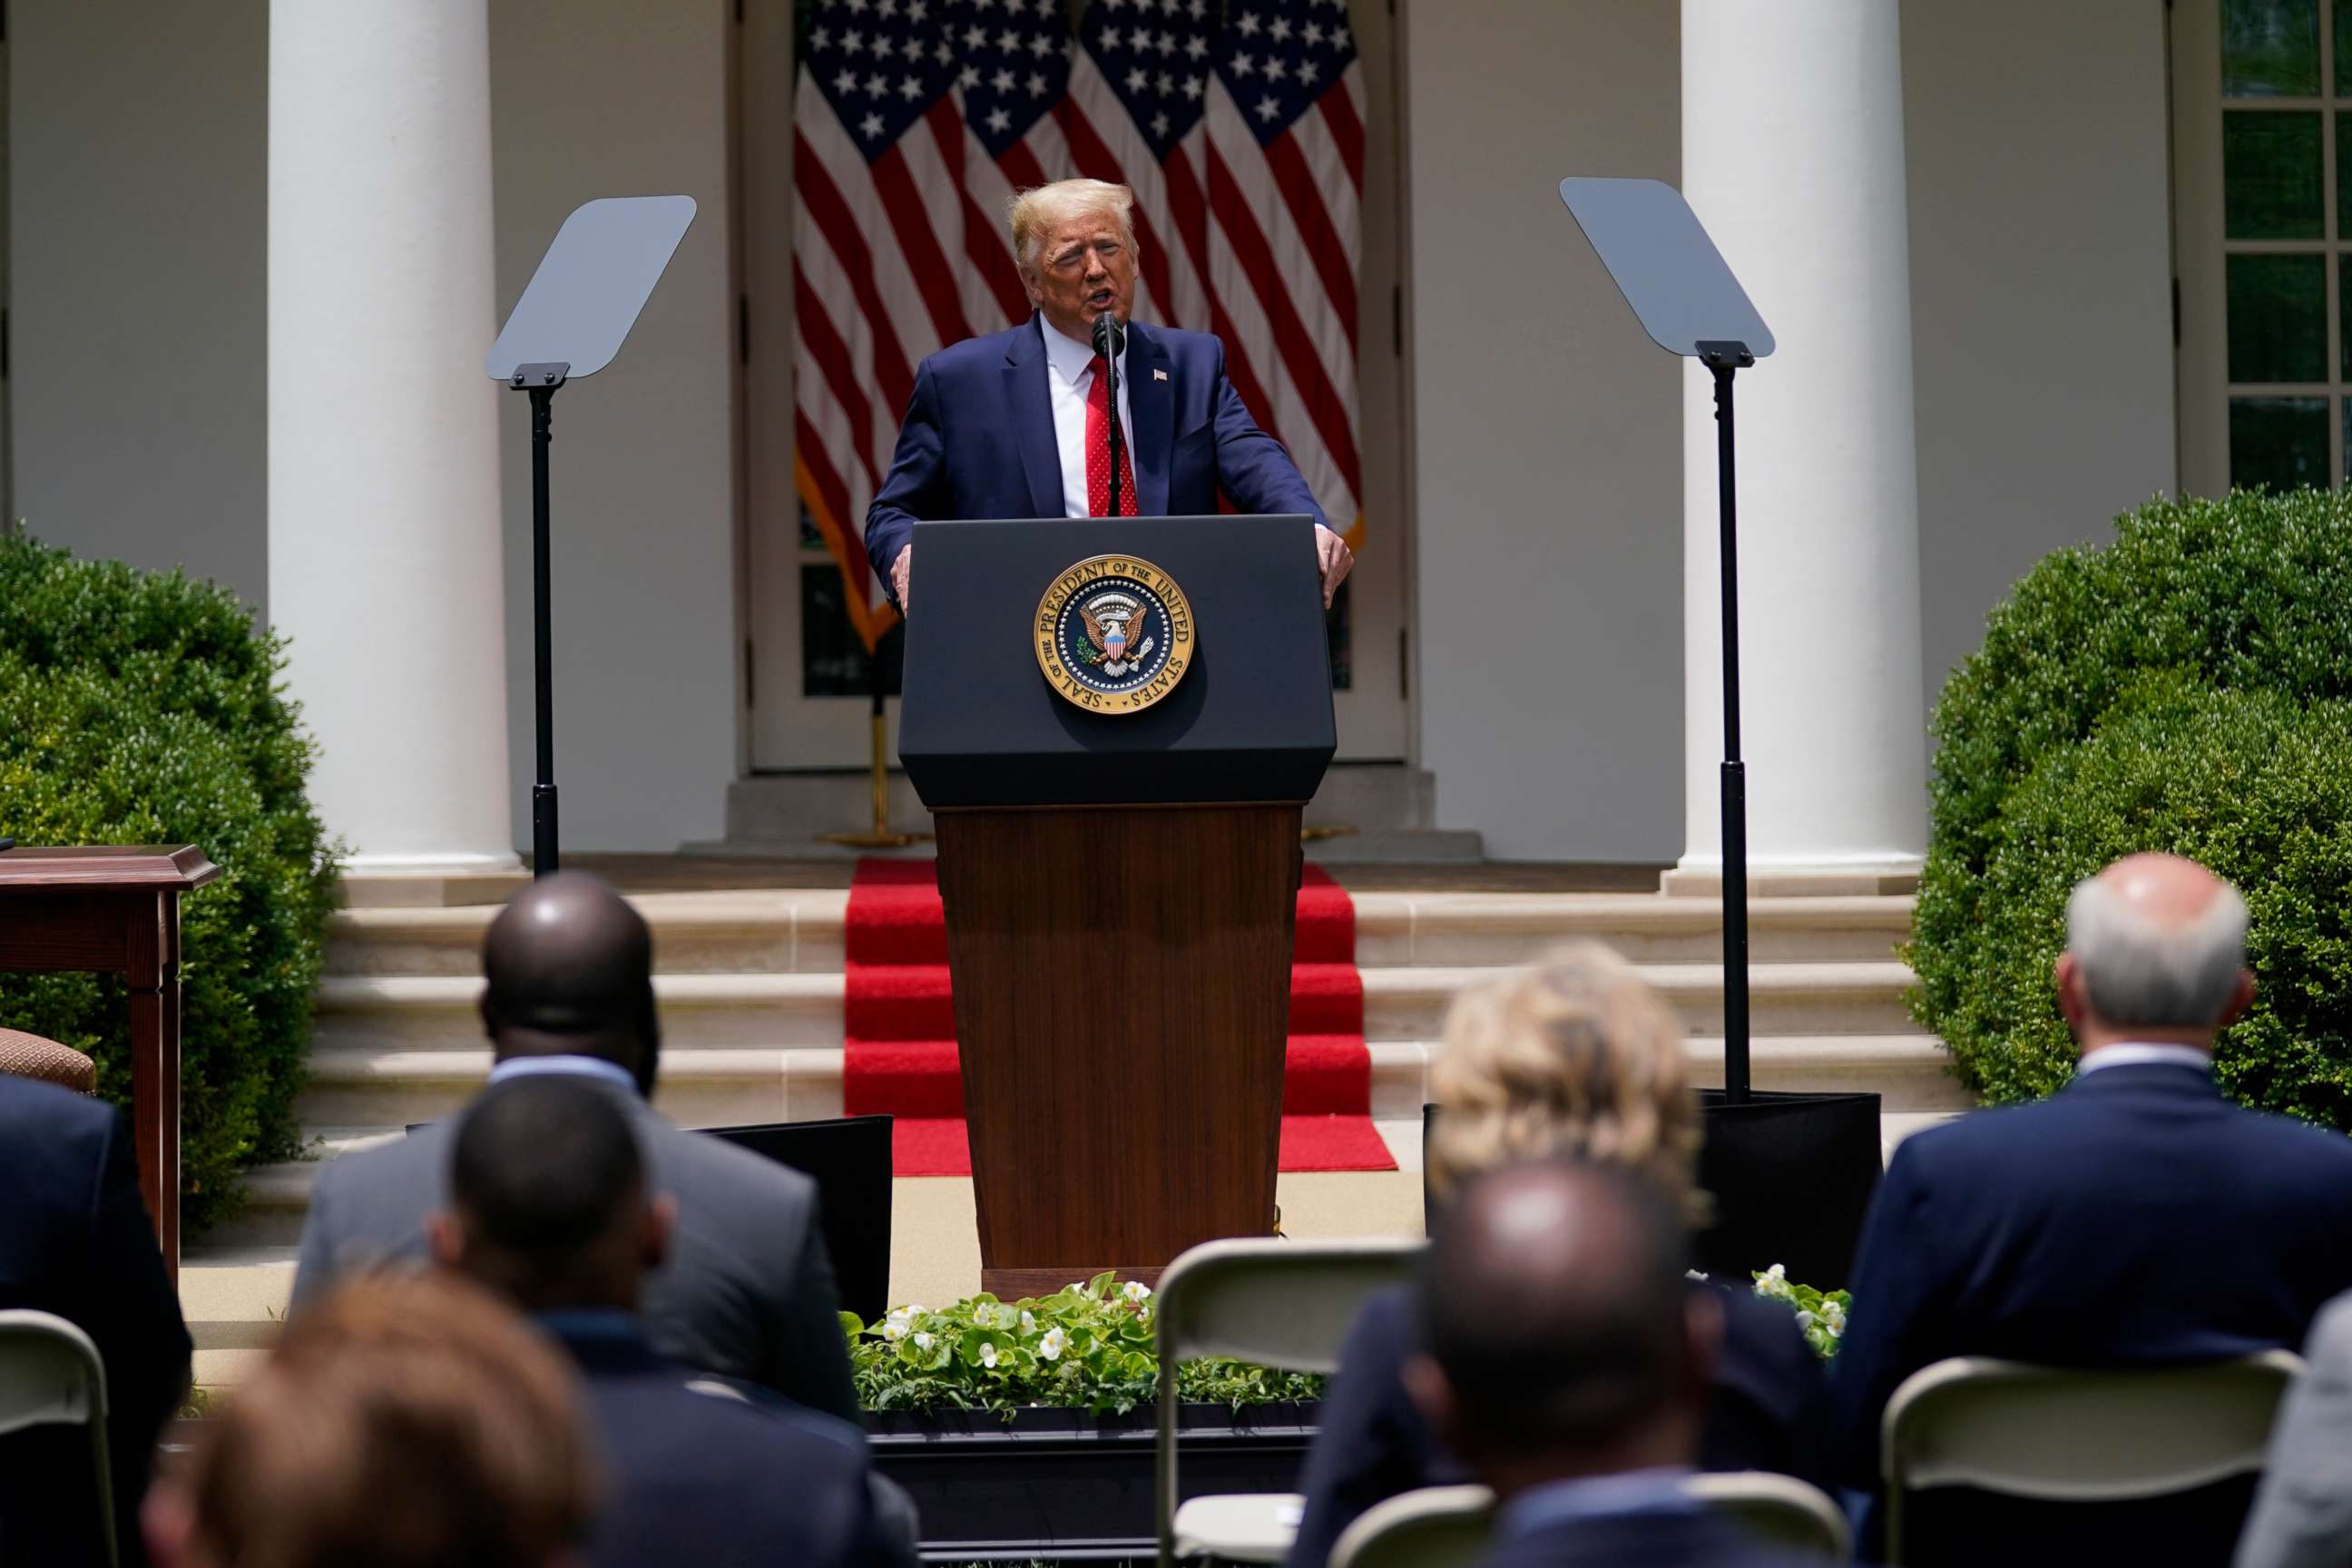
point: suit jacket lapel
(1152, 404)
(1032, 403)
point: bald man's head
(2156, 949)
(569, 966)
(1563, 1336)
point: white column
(384, 558)
(1792, 157)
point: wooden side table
(118, 910)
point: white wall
(137, 183)
(2042, 335)
(1549, 466)
(600, 98)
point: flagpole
(881, 834)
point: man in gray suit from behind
(2302, 1516)
(747, 1292)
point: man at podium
(1016, 424)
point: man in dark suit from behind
(2133, 1219)
(1567, 1365)
(75, 1241)
(548, 1205)
(747, 1291)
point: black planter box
(1791, 1175)
(1065, 1486)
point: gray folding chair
(50, 1374)
(1783, 1510)
(1283, 1304)
(1435, 1526)
(2061, 1435)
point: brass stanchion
(881, 835)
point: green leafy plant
(141, 708)
(2182, 688)
(1087, 1347)
(1821, 1314)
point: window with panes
(2286, 238)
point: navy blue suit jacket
(702, 1479)
(978, 438)
(75, 1241)
(2133, 1217)
(1764, 1413)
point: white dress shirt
(2143, 1054)
(1069, 381)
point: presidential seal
(1114, 635)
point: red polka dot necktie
(1098, 453)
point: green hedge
(2183, 688)
(140, 708)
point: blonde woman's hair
(1574, 1057)
(1031, 212)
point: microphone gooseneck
(1111, 337)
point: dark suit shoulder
(985, 353)
(52, 1141)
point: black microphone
(1110, 338)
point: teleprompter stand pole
(540, 381)
(1722, 359)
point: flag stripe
(1324, 254)
(1347, 130)
(920, 246)
(830, 357)
(1300, 358)
(892, 369)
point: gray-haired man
(2136, 1217)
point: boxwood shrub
(137, 707)
(2185, 688)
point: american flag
(1239, 123)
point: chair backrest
(2072, 1435)
(1783, 1510)
(36, 1056)
(1278, 1304)
(51, 1374)
(1435, 1526)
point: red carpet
(899, 1023)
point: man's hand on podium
(1331, 554)
(900, 569)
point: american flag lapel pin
(1159, 375)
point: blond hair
(404, 1421)
(1031, 212)
(1573, 1056)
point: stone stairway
(751, 984)
(751, 993)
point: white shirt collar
(2144, 1054)
(582, 1067)
(1070, 357)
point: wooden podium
(1120, 888)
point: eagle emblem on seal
(1116, 638)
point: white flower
(922, 1341)
(1135, 1290)
(988, 1356)
(1833, 1315)
(1051, 1345)
(1694, 1274)
(1777, 1274)
(1075, 1289)
(896, 1325)
(1028, 1323)
(918, 1309)
(1805, 1320)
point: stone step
(792, 1011)
(356, 1099)
(800, 931)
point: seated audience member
(2302, 1516)
(1577, 1056)
(747, 1291)
(407, 1422)
(1567, 1363)
(548, 1206)
(75, 1241)
(2135, 1217)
